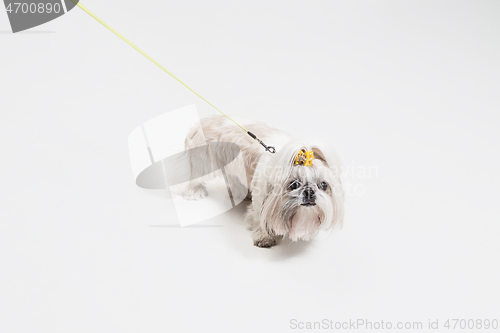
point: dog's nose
(309, 194)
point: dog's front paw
(195, 193)
(265, 241)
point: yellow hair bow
(304, 157)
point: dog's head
(304, 193)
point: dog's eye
(323, 186)
(294, 185)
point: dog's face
(303, 199)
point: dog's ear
(319, 155)
(326, 154)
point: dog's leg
(196, 190)
(263, 239)
(260, 236)
(200, 164)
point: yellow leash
(268, 148)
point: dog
(295, 192)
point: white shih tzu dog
(295, 192)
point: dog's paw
(265, 241)
(195, 193)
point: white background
(409, 87)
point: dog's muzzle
(309, 197)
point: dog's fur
(287, 199)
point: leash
(270, 149)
